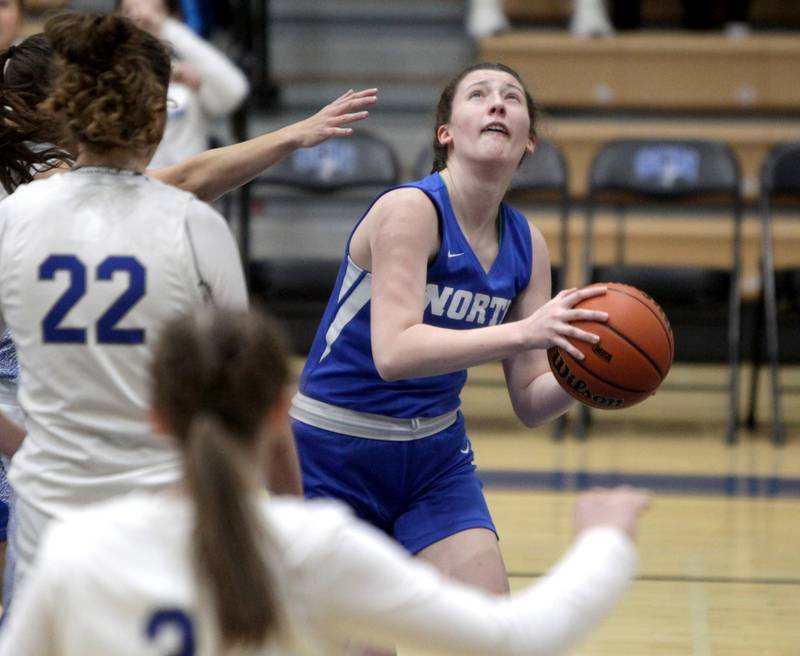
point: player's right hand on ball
(619, 508)
(551, 324)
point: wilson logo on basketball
(569, 379)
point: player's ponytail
(230, 543)
(29, 141)
(217, 375)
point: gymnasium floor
(720, 548)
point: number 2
(107, 332)
(178, 619)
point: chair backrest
(780, 172)
(361, 160)
(546, 169)
(665, 171)
(665, 168)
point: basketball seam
(581, 364)
(641, 351)
(668, 333)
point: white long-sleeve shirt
(189, 112)
(106, 574)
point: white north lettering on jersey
(462, 304)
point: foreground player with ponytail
(214, 566)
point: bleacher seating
(660, 71)
(766, 13)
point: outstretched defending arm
(215, 172)
(373, 592)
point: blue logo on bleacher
(327, 161)
(667, 165)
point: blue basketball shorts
(417, 491)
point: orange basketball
(632, 357)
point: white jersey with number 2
(92, 263)
(118, 579)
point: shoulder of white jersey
(162, 187)
(193, 202)
(33, 188)
(89, 526)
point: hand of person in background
(147, 14)
(187, 75)
(331, 119)
(619, 508)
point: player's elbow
(530, 415)
(528, 419)
(389, 364)
(389, 370)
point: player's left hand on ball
(551, 324)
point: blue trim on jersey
(460, 294)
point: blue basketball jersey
(460, 294)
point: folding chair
(311, 200)
(665, 174)
(780, 291)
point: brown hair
(217, 374)
(444, 108)
(29, 140)
(113, 82)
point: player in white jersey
(92, 262)
(213, 563)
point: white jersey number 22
(107, 332)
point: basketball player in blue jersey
(439, 275)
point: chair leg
(778, 436)
(734, 339)
(771, 322)
(584, 419)
(755, 354)
(559, 427)
(773, 354)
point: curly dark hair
(112, 84)
(30, 142)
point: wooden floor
(720, 548)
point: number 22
(107, 332)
